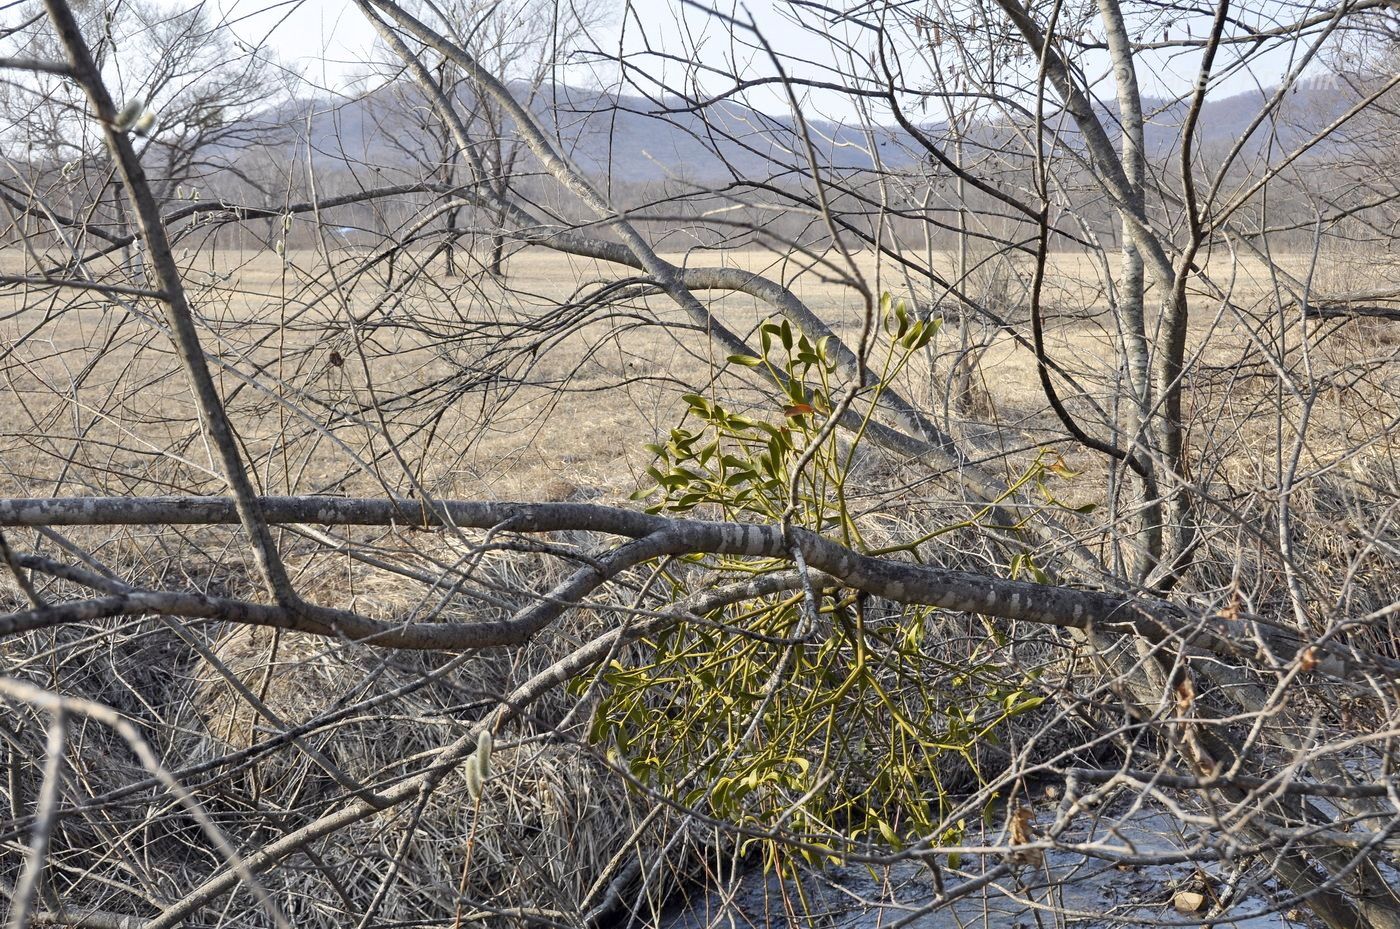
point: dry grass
(552, 832)
(494, 438)
(554, 827)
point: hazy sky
(328, 41)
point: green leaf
(920, 334)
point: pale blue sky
(328, 40)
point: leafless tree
(527, 45)
(855, 618)
(195, 95)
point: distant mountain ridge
(631, 140)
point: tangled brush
(271, 730)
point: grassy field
(469, 377)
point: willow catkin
(128, 115)
(479, 764)
(483, 753)
(473, 775)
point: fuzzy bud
(128, 115)
(144, 124)
(483, 753)
(473, 775)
